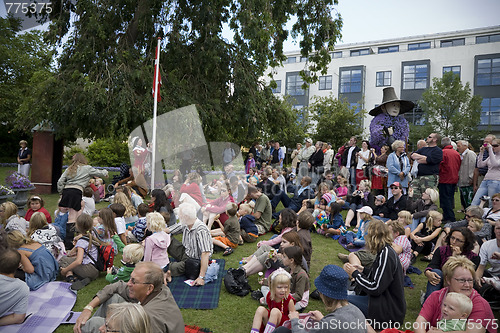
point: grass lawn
(235, 314)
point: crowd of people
(391, 219)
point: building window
(384, 78)
(291, 60)
(277, 90)
(453, 42)
(490, 114)
(454, 69)
(388, 49)
(325, 82)
(350, 81)
(488, 39)
(303, 59)
(294, 85)
(415, 116)
(355, 53)
(337, 54)
(488, 72)
(415, 76)
(419, 46)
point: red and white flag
(157, 68)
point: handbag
(192, 268)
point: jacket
(155, 248)
(448, 169)
(467, 167)
(353, 156)
(81, 178)
(393, 208)
(394, 168)
(160, 305)
(384, 284)
(418, 208)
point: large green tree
(450, 108)
(104, 81)
(336, 120)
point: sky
(370, 20)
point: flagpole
(155, 107)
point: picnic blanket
(195, 329)
(204, 297)
(47, 308)
(343, 243)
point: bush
(68, 154)
(108, 152)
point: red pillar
(46, 160)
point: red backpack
(105, 256)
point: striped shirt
(195, 240)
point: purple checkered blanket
(47, 308)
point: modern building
(360, 71)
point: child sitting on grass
(35, 204)
(132, 254)
(358, 239)
(156, 245)
(249, 231)
(230, 237)
(118, 212)
(137, 233)
(335, 225)
(88, 201)
(454, 312)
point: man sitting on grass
(14, 293)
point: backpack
(105, 256)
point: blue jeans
(384, 219)
(349, 237)
(352, 180)
(361, 302)
(489, 188)
(430, 287)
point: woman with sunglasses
(460, 241)
(491, 182)
(458, 273)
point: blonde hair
(37, 221)
(10, 209)
(378, 236)
(122, 198)
(332, 304)
(431, 217)
(130, 317)
(454, 262)
(133, 253)
(433, 194)
(155, 222)
(406, 215)
(477, 223)
(367, 184)
(246, 207)
(16, 239)
(396, 226)
(279, 278)
(78, 159)
(464, 302)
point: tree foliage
(336, 120)
(451, 109)
(22, 56)
(104, 79)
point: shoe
(351, 246)
(343, 257)
(427, 258)
(257, 295)
(71, 278)
(315, 295)
(413, 259)
(80, 284)
(228, 251)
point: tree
(450, 108)
(104, 81)
(336, 120)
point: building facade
(360, 71)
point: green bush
(108, 152)
(68, 154)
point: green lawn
(234, 313)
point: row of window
(411, 47)
(415, 76)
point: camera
(114, 270)
(357, 192)
(485, 198)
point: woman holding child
(458, 273)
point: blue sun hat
(333, 282)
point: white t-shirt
(361, 161)
(485, 254)
(120, 225)
(89, 208)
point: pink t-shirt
(481, 310)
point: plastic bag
(212, 272)
(236, 282)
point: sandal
(427, 258)
(228, 251)
(71, 278)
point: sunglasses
(394, 187)
(495, 146)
